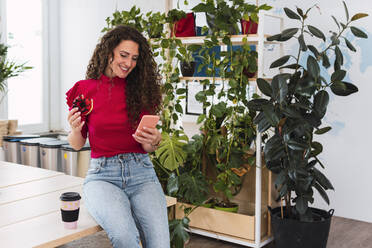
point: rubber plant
(296, 104)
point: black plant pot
(290, 233)
(188, 69)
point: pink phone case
(149, 121)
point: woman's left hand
(149, 138)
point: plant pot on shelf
(188, 69)
(249, 74)
(295, 233)
(249, 27)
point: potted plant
(132, 18)
(173, 16)
(296, 105)
(249, 21)
(186, 55)
(154, 24)
(220, 15)
(8, 69)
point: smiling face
(125, 59)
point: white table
(30, 207)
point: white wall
(346, 146)
(81, 22)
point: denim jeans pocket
(146, 162)
(94, 167)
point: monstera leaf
(178, 232)
(171, 153)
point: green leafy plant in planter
(186, 56)
(221, 16)
(173, 16)
(250, 16)
(297, 103)
(132, 18)
(9, 69)
(227, 129)
(154, 24)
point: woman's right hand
(74, 119)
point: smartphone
(149, 121)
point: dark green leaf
(178, 108)
(291, 66)
(343, 88)
(269, 112)
(279, 62)
(256, 104)
(291, 14)
(262, 123)
(200, 118)
(274, 149)
(322, 193)
(325, 60)
(338, 25)
(264, 87)
(322, 130)
(178, 232)
(274, 37)
(318, 148)
(358, 33)
(279, 88)
(297, 146)
(316, 32)
(338, 75)
(180, 91)
(358, 16)
(346, 11)
(321, 100)
(313, 50)
(322, 179)
(291, 111)
(201, 7)
(288, 33)
(339, 56)
(313, 67)
(349, 45)
(300, 12)
(301, 40)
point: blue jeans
(124, 196)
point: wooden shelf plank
(235, 39)
(216, 78)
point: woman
(121, 190)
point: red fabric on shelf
(186, 26)
(249, 27)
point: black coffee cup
(70, 206)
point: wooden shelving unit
(257, 233)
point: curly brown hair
(143, 83)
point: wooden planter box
(225, 223)
(239, 225)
